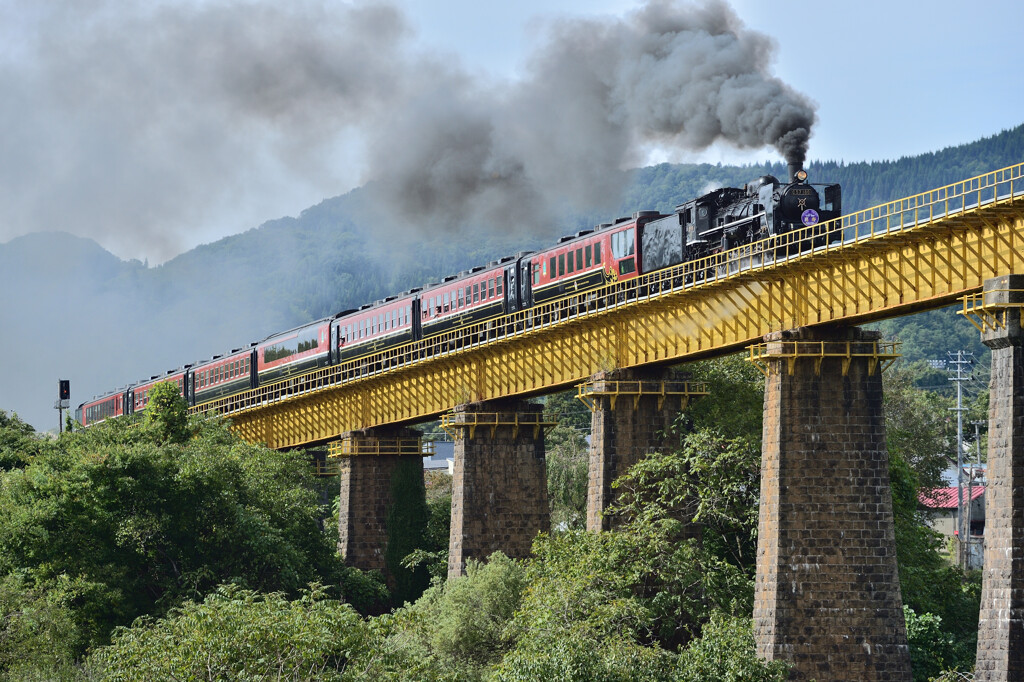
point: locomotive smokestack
(794, 168)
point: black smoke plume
(134, 123)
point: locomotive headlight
(801, 175)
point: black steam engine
(624, 249)
(731, 217)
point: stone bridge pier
(370, 463)
(827, 593)
(1001, 621)
(499, 486)
(633, 412)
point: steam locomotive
(626, 248)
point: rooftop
(945, 498)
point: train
(625, 248)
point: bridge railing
(1004, 186)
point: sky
(153, 126)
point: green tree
(237, 634)
(725, 653)
(458, 630)
(407, 520)
(735, 402)
(567, 460)
(167, 413)
(38, 635)
(126, 527)
(919, 426)
(18, 442)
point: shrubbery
(166, 548)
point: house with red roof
(942, 503)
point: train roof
(315, 323)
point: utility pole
(961, 360)
(970, 476)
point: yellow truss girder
(879, 354)
(989, 315)
(455, 424)
(354, 446)
(636, 389)
(905, 256)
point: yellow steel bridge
(905, 256)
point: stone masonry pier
(1001, 622)
(633, 412)
(827, 593)
(499, 487)
(367, 467)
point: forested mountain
(82, 314)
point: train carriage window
(536, 274)
(579, 258)
(476, 293)
(462, 297)
(498, 280)
(490, 288)
(627, 266)
(446, 302)
(589, 255)
(552, 266)
(570, 266)
(597, 253)
(561, 264)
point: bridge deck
(913, 254)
